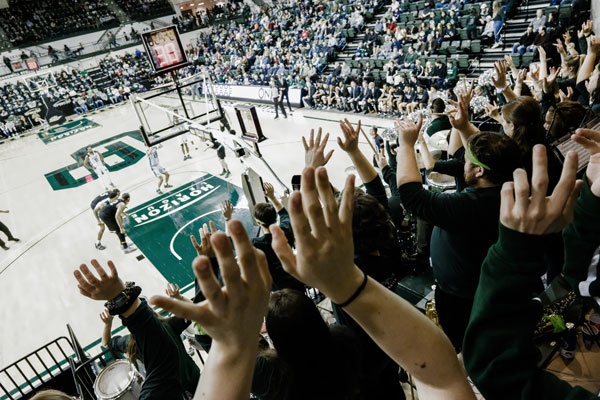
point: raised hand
(500, 80)
(314, 150)
(324, 247)
(106, 317)
(350, 142)
(232, 315)
(521, 76)
(107, 287)
(459, 117)
(551, 78)
(509, 61)
(559, 47)
(172, 290)
(492, 111)
(566, 96)
(591, 141)
(542, 53)
(593, 45)
(204, 248)
(227, 209)
(269, 190)
(539, 214)
(381, 159)
(408, 132)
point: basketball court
(48, 192)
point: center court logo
(172, 203)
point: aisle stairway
(514, 29)
(353, 39)
(100, 79)
(121, 15)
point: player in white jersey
(95, 161)
(159, 171)
(183, 138)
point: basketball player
(95, 161)
(111, 214)
(221, 154)
(7, 232)
(97, 204)
(159, 171)
(183, 138)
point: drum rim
(116, 394)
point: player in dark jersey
(221, 154)
(112, 215)
(96, 205)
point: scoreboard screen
(165, 49)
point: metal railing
(38, 367)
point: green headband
(471, 157)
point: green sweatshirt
(498, 349)
(582, 237)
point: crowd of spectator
(22, 106)
(141, 10)
(517, 205)
(29, 21)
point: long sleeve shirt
(500, 355)
(169, 369)
(465, 228)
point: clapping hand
(324, 245)
(566, 96)
(538, 214)
(204, 248)
(232, 315)
(314, 150)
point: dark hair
(302, 340)
(566, 117)
(526, 115)
(265, 214)
(438, 106)
(114, 193)
(125, 196)
(372, 227)
(497, 151)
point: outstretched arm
(106, 332)
(503, 310)
(459, 117)
(407, 168)
(325, 260)
(270, 194)
(582, 237)
(232, 315)
(349, 144)
(586, 69)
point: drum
(439, 141)
(120, 380)
(440, 182)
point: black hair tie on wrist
(357, 292)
